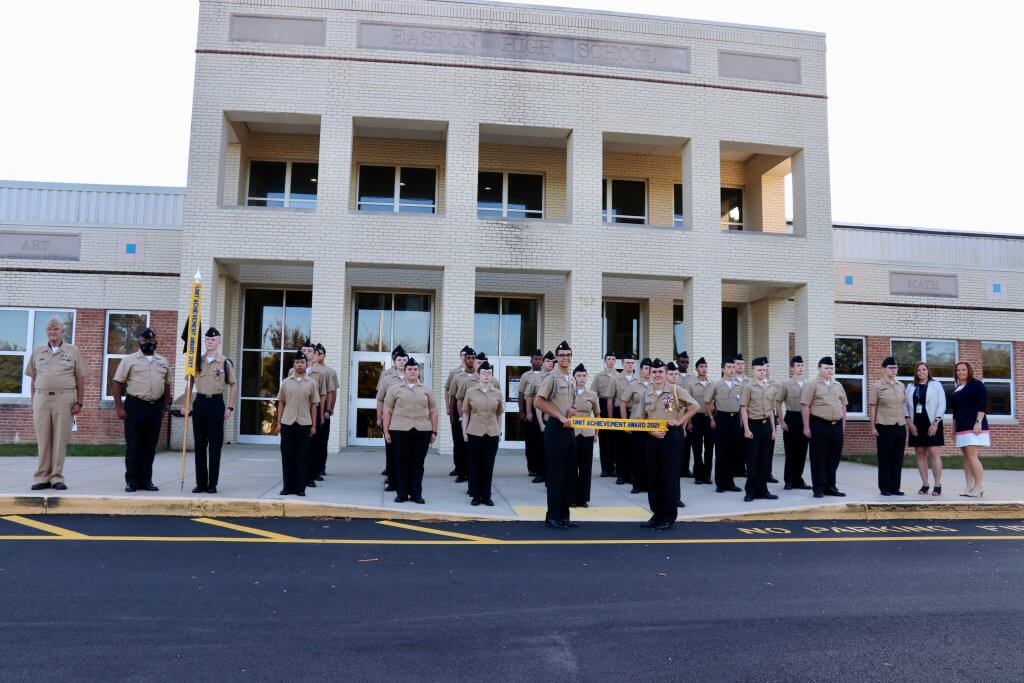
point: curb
(879, 511)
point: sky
(925, 98)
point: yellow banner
(629, 425)
(192, 345)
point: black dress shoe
(773, 480)
(804, 487)
(383, 473)
(199, 489)
(570, 525)
(664, 526)
(555, 524)
(61, 486)
(452, 473)
(419, 501)
(819, 494)
(651, 523)
(283, 492)
(635, 490)
(150, 486)
(885, 493)
(399, 499)
(318, 477)
(488, 502)
(310, 484)
(835, 492)
(769, 496)
(475, 502)
(300, 493)
(680, 504)
(607, 474)
(748, 498)
(895, 493)
(537, 480)
(584, 504)
(389, 487)
(686, 473)
(461, 478)
(40, 487)
(130, 488)
(212, 489)
(788, 487)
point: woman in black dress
(926, 404)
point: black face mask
(148, 348)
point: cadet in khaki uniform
(145, 376)
(586, 404)
(453, 419)
(410, 425)
(539, 419)
(555, 399)
(534, 452)
(460, 469)
(58, 386)
(393, 376)
(214, 376)
(682, 366)
(623, 384)
(886, 405)
(664, 401)
(723, 407)
(604, 386)
(297, 402)
(701, 436)
(328, 397)
(482, 408)
(789, 416)
(757, 416)
(824, 411)
(632, 405)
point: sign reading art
(923, 284)
(532, 46)
(38, 245)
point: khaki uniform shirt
(215, 376)
(386, 376)
(889, 399)
(759, 400)
(298, 395)
(450, 378)
(387, 381)
(604, 384)
(410, 407)
(669, 404)
(469, 381)
(790, 393)
(535, 382)
(530, 378)
(622, 383)
(826, 400)
(330, 380)
(555, 388)
(726, 398)
(144, 378)
(700, 391)
(633, 396)
(587, 404)
(59, 371)
(485, 405)
(453, 386)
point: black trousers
(410, 452)
(892, 442)
(702, 443)
(728, 448)
(141, 433)
(534, 447)
(208, 431)
(560, 452)
(684, 455)
(389, 463)
(459, 447)
(318, 444)
(663, 457)
(826, 450)
(795, 444)
(758, 456)
(295, 445)
(605, 440)
(621, 445)
(584, 467)
(638, 454)
(482, 450)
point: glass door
(510, 369)
(365, 371)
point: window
(505, 327)
(627, 199)
(732, 208)
(679, 344)
(22, 329)
(677, 205)
(394, 189)
(941, 357)
(997, 368)
(282, 184)
(518, 196)
(622, 327)
(122, 328)
(849, 362)
(385, 320)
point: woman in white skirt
(969, 401)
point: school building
(432, 174)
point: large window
(849, 362)
(622, 327)
(940, 355)
(397, 189)
(282, 184)
(997, 368)
(678, 341)
(22, 329)
(624, 201)
(518, 196)
(505, 327)
(732, 208)
(120, 340)
(677, 205)
(384, 320)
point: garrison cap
(656, 363)
(536, 353)
(701, 361)
(683, 354)
(481, 356)
(759, 361)
(320, 348)
(671, 366)
(826, 360)
(888, 362)
(549, 356)
(147, 333)
(399, 352)
(213, 332)
(609, 352)
(307, 344)
(485, 365)
(298, 356)
(645, 361)
(579, 368)
(465, 349)
(796, 359)
(629, 356)
(469, 351)
(738, 356)
(412, 363)
(564, 346)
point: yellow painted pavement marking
(588, 514)
(43, 526)
(439, 532)
(245, 529)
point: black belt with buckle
(142, 400)
(821, 419)
(762, 421)
(729, 414)
(210, 396)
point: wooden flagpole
(191, 362)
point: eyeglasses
(565, 355)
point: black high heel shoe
(923, 491)
(937, 491)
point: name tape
(616, 424)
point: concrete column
(769, 332)
(328, 328)
(461, 166)
(583, 317)
(333, 175)
(457, 304)
(658, 329)
(814, 319)
(702, 178)
(702, 302)
(584, 157)
(812, 208)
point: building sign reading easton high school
(544, 48)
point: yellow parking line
(245, 529)
(43, 526)
(439, 532)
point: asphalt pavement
(150, 598)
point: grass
(956, 462)
(79, 449)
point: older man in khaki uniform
(58, 385)
(824, 411)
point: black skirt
(922, 440)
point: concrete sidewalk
(251, 478)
